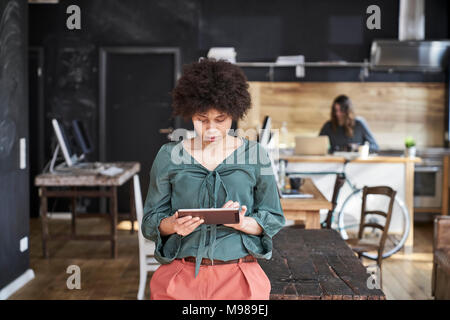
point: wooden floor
(408, 276)
(405, 276)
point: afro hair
(209, 84)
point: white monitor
(64, 143)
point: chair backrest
(339, 182)
(379, 190)
(138, 199)
(145, 246)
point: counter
(339, 159)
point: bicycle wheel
(349, 216)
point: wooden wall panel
(393, 110)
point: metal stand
(55, 155)
(62, 167)
(50, 166)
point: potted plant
(410, 147)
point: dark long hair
(347, 108)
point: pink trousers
(235, 281)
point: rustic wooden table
(306, 211)
(80, 184)
(316, 264)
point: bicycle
(344, 221)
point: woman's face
(340, 115)
(212, 125)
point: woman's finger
(193, 226)
(199, 222)
(184, 229)
(228, 204)
(183, 219)
(191, 222)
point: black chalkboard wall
(260, 30)
(14, 209)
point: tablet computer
(213, 215)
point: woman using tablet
(212, 170)
(345, 130)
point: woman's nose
(212, 129)
(208, 125)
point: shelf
(299, 67)
(305, 64)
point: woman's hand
(242, 219)
(246, 224)
(182, 226)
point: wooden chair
(360, 245)
(339, 182)
(147, 261)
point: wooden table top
(316, 264)
(307, 204)
(80, 178)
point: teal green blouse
(178, 181)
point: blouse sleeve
(158, 202)
(368, 136)
(266, 211)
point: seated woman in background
(345, 130)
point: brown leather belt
(209, 262)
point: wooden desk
(306, 211)
(316, 264)
(79, 184)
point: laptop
(311, 146)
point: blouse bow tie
(208, 197)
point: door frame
(103, 60)
(38, 162)
(39, 50)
